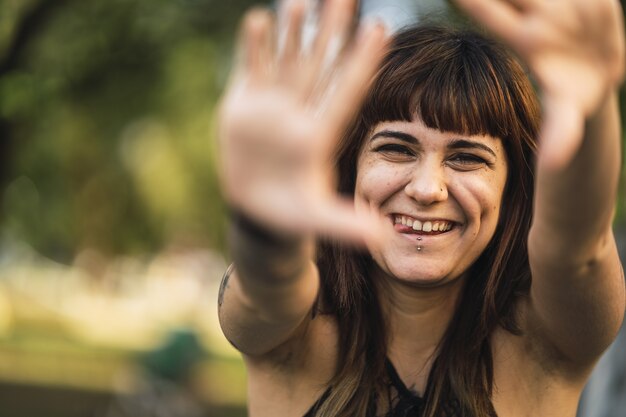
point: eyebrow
(455, 144)
(470, 144)
(405, 137)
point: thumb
(337, 218)
(561, 133)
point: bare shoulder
(289, 379)
(530, 376)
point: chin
(424, 276)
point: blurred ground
(144, 333)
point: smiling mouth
(406, 224)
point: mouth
(409, 225)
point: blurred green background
(112, 228)
(105, 122)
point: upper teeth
(427, 226)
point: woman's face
(440, 193)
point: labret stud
(419, 248)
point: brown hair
(460, 81)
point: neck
(417, 319)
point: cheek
(480, 198)
(497, 185)
(375, 182)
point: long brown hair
(459, 81)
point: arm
(575, 50)
(279, 120)
(267, 293)
(578, 285)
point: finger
(291, 35)
(331, 38)
(316, 213)
(259, 40)
(333, 32)
(561, 133)
(336, 218)
(241, 47)
(501, 17)
(352, 85)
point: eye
(467, 161)
(394, 149)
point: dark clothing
(404, 402)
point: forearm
(574, 206)
(276, 276)
(578, 288)
(269, 290)
(263, 257)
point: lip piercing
(419, 248)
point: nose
(428, 184)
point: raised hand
(575, 48)
(283, 113)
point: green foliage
(107, 122)
(106, 119)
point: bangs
(454, 81)
(451, 80)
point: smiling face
(440, 193)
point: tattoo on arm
(224, 285)
(223, 288)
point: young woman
(469, 267)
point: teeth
(428, 226)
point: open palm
(575, 49)
(283, 113)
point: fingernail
(373, 22)
(371, 25)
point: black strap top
(404, 402)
